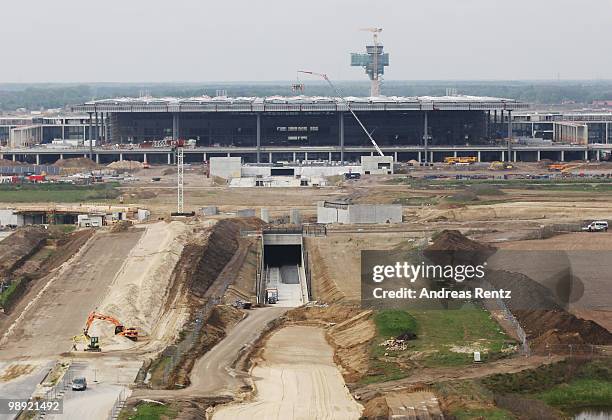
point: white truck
(596, 226)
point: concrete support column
(341, 134)
(305, 155)
(503, 156)
(229, 154)
(120, 157)
(395, 157)
(85, 155)
(425, 134)
(97, 129)
(176, 126)
(597, 155)
(294, 157)
(270, 157)
(90, 138)
(454, 153)
(329, 157)
(533, 130)
(169, 158)
(478, 155)
(539, 156)
(562, 155)
(37, 159)
(586, 154)
(1, 156)
(607, 132)
(258, 137)
(419, 157)
(61, 156)
(514, 156)
(98, 158)
(371, 153)
(205, 157)
(509, 125)
(431, 157)
(144, 158)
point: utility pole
(180, 180)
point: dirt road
(211, 374)
(59, 311)
(297, 379)
(435, 375)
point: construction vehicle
(499, 166)
(129, 332)
(242, 304)
(271, 295)
(460, 160)
(93, 345)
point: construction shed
(329, 212)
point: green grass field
(570, 184)
(60, 193)
(445, 338)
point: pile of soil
(121, 226)
(6, 162)
(15, 249)
(561, 325)
(453, 240)
(126, 165)
(452, 247)
(80, 162)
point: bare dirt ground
(296, 379)
(584, 253)
(58, 312)
(336, 260)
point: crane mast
(348, 105)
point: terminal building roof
(299, 103)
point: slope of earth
(58, 311)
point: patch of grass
(150, 411)
(440, 330)
(416, 201)
(579, 393)
(482, 413)
(61, 193)
(546, 377)
(393, 322)
(6, 295)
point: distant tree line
(44, 96)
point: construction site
(234, 277)
(229, 303)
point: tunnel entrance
(280, 255)
(284, 279)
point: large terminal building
(298, 128)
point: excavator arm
(129, 332)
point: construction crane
(129, 332)
(348, 105)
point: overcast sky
(260, 40)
